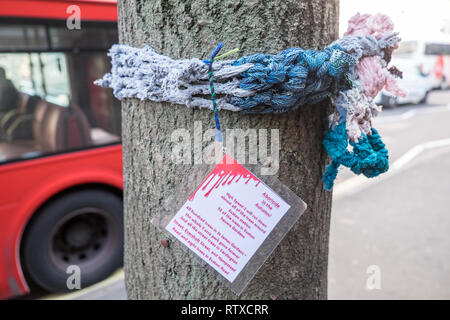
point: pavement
(389, 235)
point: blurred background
(61, 212)
(389, 235)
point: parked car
(416, 83)
(425, 65)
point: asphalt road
(398, 224)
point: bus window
(48, 102)
(84, 38)
(22, 37)
(55, 78)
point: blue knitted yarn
(369, 156)
(213, 93)
(292, 78)
(264, 83)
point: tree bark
(297, 269)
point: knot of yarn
(369, 156)
(351, 71)
(293, 77)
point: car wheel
(82, 229)
(443, 85)
(425, 98)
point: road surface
(397, 225)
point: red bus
(60, 151)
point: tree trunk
(297, 269)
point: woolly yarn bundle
(351, 71)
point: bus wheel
(75, 241)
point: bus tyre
(74, 241)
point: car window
(406, 48)
(437, 49)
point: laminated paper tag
(229, 216)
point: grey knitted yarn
(142, 73)
(145, 74)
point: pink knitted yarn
(366, 24)
(374, 77)
(370, 70)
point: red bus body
(26, 185)
(94, 10)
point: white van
(425, 65)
